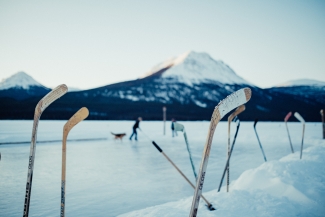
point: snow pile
(302, 82)
(19, 80)
(285, 187)
(192, 68)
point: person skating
(135, 126)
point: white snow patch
(302, 82)
(73, 89)
(19, 80)
(198, 103)
(131, 97)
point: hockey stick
(73, 121)
(209, 205)
(228, 159)
(259, 142)
(239, 110)
(232, 101)
(285, 121)
(323, 124)
(40, 107)
(180, 127)
(298, 116)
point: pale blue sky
(88, 44)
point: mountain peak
(19, 80)
(195, 67)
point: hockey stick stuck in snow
(228, 159)
(209, 205)
(40, 107)
(285, 121)
(180, 127)
(232, 101)
(298, 116)
(73, 121)
(259, 142)
(239, 110)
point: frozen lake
(108, 177)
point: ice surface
(20, 80)
(111, 178)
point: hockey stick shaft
(298, 116)
(258, 139)
(239, 110)
(302, 140)
(189, 182)
(289, 137)
(190, 155)
(180, 127)
(232, 101)
(74, 120)
(228, 160)
(40, 107)
(285, 121)
(209, 205)
(259, 142)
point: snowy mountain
(306, 90)
(302, 82)
(21, 86)
(19, 80)
(191, 78)
(195, 68)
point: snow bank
(285, 187)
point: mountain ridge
(186, 99)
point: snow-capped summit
(19, 80)
(21, 86)
(194, 67)
(302, 82)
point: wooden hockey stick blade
(75, 119)
(287, 116)
(52, 96)
(239, 110)
(298, 116)
(229, 103)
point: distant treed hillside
(190, 86)
(265, 106)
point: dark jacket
(136, 125)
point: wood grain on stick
(74, 120)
